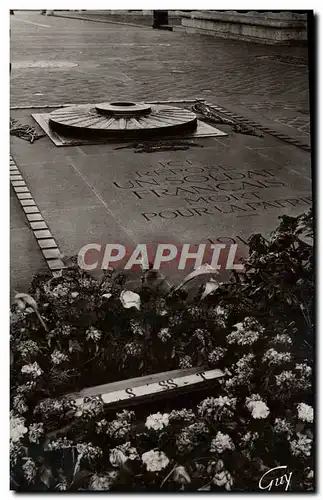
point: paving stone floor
(110, 61)
(57, 60)
(229, 187)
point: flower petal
(209, 288)
(130, 299)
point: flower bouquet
(74, 331)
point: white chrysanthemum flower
(102, 482)
(130, 451)
(221, 442)
(239, 326)
(282, 338)
(155, 460)
(60, 291)
(243, 372)
(32, 369)
(15, 452)
(134, 348)
(88, 451)
(126, 415)
(58, 357)
(216, 355)
(273, 357)
(301, 446)
(17, 428)
(136, 327)
(118, 429)
(243, 367)
(157, 421)
(27, 348)
(249, 439)
(36, 431)
(93, 334)
(101, 426)
(221, 315)
(185, 441)
(89, 407)
(130, 299)
(164, 334)
(183, 414)
(305, 412)
(282, 426)
(226, 401)
(306, 371)
(221, 311)
(48, 406)
(29, 470)
(190, 436)
(19, 404)
(216, 408)
(257, 407)
(249, 323)
(242, 337)
(244, 362)
(65, 330)
(85, 282)
(260, 410)
(185, 362)
(99, 483)
(201, 335)
(117, 457)
(60, 444)
(286, 378)
(122, 453)
(246, 332)
(253, 398)
(25, 388)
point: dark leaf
(299, 427)
(46, 476)
(80, 478)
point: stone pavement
(229, 187)
(25, 257)
(89, 194)
(57, 60)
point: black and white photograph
(162, 250)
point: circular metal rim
(123, 108)
(146, 126)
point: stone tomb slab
(202, 130)
(217, 193)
